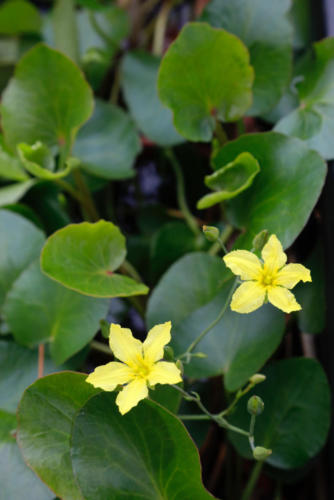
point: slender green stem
(194, 417)
(201, 336)
(220, 133)
(130, 270)
(251, 431)
(160, 28)
(65, 186)
(99, 346)
(220, 243)
(190, 219)
(87, 201)
(252, 481)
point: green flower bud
(255, 405)
(260, 240)
(179, 364)
(211, 233)
(257, 378)
(105, 328)
(260, 453)
(200, 355)
(168, 353)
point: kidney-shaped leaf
(296, 416)
(191, 294)
(204, 75)
(45, 418)
(144, 454)
(230, 180)
(37, 309)
(313, 120)
(265, 29)
(139, 82)
(21, 243)
(108, 144)
(84, 256)
(47, 100)
(285, 191)
(18, 17)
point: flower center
(141, 368)
(267, 278)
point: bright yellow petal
(244, 264)
(109, 376)
(291, 274)
(155, 342)
(283, 299)
(131, 394)
(124, 346)
(272, 254)
(164, 373)
(248, 297)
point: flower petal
(272, 254)
(124, 346)
(248, 297)
(131, 394)
(155, 341)
(109, 376)
(283, 299)
(291, 274)
(164, 373)
(244, 264)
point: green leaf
(296, 416)
(167, 397)
(39, 161)
(191, 294)
(139, 82)
(312, 317)
(45, 417)
(84, 256)
(144, 454)
(37, 309)
(21, 243)
(313, 120)
(10, 166)
(265, 29)
(47, 100)
(14, 192)
(285, 191)
(230, 180)
(108, 144)
(216, 80)
(18, 17)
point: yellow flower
(267, 279)
(141, 366)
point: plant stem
(87, 201)
(220, 133)
(214, 322)
(130, 270)
(41, 353)
(65, 28)
(252, 481)
(102, 34)
(99, 346)
(190, 219)
(160, 27)
(220, 243)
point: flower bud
(168, 353)
(200, 355)
(260, 240)
(105, 328)
(255, 405)
(211, 233)
(260, 453)
(179, 364)
(257, 378)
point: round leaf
(38, 309)
(83, 257)
(216, 80)
(144, 454)
(285, 191)
(108, 144)
(21, 243)
(47, 100)
(265, 29)
(14, 192)
(18, 17)
(45, 417)
(139, 82)
(191, 294)
(296, 416)
(313, 120)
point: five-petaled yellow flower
(267, 279)
(141, 366)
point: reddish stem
(40, 360)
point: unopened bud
(260, 240)
(211, 233)
(260, 453)
(257, 378)
(105, 328)
(200, 355)
(168, 353)
(255, 405)
(179, 364)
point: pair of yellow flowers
(141, 366)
